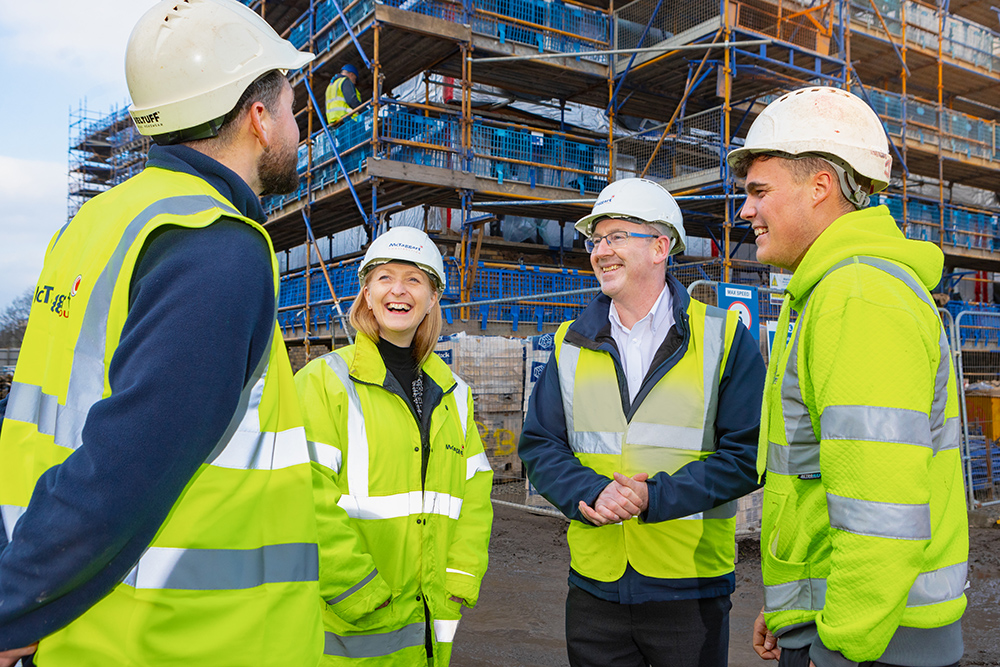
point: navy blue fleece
(728, 473)
(201, 312)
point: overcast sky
(55, 55)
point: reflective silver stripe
(357, 436)
(401, 504)
(462, 401)
(875, 424)
(26, 403)
(714, 342)
(225, 569)
(264, 451)
(454, 571)
(10, 514)
(86, 381)
(951, 434)
(946, 583)
(444, 631)
(804, 594)
(595, 442)
(477, 463)
(867, 517)
(325, 455)
(581, 443)
(798, 424)
(375, 645)
(663, 435)
(354, 589)
(792, 459)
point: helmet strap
(849, 186)
(203, 131)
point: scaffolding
(485, 115)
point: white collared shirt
(637, 345)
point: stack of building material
(493, 367)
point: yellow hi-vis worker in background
(341, 95)
(864, 537)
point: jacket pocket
(379, 620)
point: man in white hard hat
(642, 430)
(155, 481)
(864, 540)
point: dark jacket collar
(229, 184)
(593, 324)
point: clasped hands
(622, 499)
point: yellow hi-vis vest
(801, 516)
(336, 104)
(674, 425)
(231, 579)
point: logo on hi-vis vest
(455, 449)
(58, 303)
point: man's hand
(764, 642)
(620, 500)
(10, 658)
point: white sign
(779, 281)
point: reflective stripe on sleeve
(325, 455)
(454, 571)
(225, 569)
(478, 463)
(374, 645)
(803, 594)
(946, 583)
(462, 401)
(792, 459)
(353, 589)
(444, 631)
(875, 424)
(867, 517)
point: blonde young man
(865, 537)
(642, 429)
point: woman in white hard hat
(394, 441)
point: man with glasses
(650, 480)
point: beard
(277, 170)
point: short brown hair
(363, 320)
(801, 168)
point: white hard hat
(829, 123)
(405, 244)
(639, 200)
(188, 62)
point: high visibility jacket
(864, 528)
(428, 541)
(673, 426)
(232, 576)
(337, 105)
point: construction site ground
(519, 621)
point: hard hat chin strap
(856, 194)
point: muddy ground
(519, 619)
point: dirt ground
(519, 621)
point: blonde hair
(363, 320)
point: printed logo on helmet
(604, 201)
(406, 246)
(148, 119)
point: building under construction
(493, 124)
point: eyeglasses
(615, 240)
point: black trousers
(799, 657)
(680, 633)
